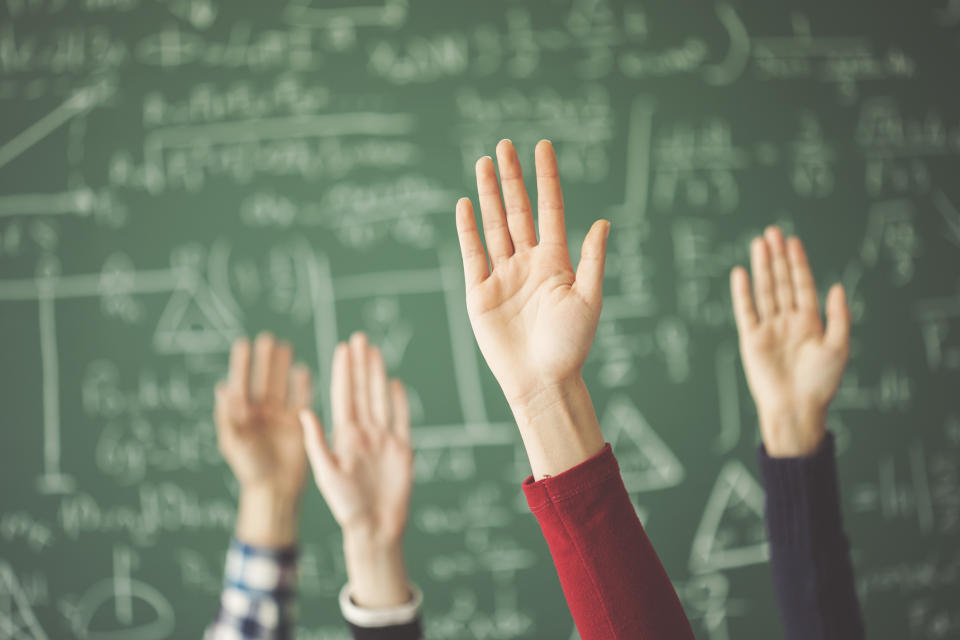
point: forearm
(791, 431)
(810, 556)
(614, 583)
(378, 602)
(376, 570)
(267, 518)
(559, 427)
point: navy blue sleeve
(809, 552)
(409, 631)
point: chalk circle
(104, 592)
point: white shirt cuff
(363, 617)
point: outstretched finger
(550, 213)
(837, 335)
(262, 362)
(279, 372)
(238, 378)
(495, 229)
(379, 394)
(803, 284)
(341, 391)
(315, 442)
(781, 269)
(301, 388)
(223, 396)
(762, 278)
(475, 268)
(593, 256)
(401, 410)
(361, 379)
(519, 214)
(743, 310)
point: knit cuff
(583, 476)
(802, 500)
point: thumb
(220, 396)
(593, 255)
(315, 442)
(229, 412)
(837, 334)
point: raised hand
(793, 364)
(367, 475)
(534, 318)
(259, 436)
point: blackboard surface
(175, 173)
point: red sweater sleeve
(614, 583)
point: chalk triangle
(732, 531)
(17, 620)
(193, 321)
(646, 462)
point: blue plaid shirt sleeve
(259, 591)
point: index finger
(475, 268)
(279, 372)
(238, 376)
(378, 392)
(744, 311)
(802, 277)
(401, 410)
(341, 390)
(495, 230)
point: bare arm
(534, 317)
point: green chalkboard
(176, 173)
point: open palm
(793, 364)
(533, 316)
(256, 416)
(366, 477)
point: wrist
(359, 539)
(792, 432)
(558, 425)
(375, 569)
(267, 517)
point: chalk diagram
(317, 14)
(705, 599)
(121, 608)
(17, 620)
(79, 200)
(646, 463)
(731, 532)
(193, 321)
(728, 398)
